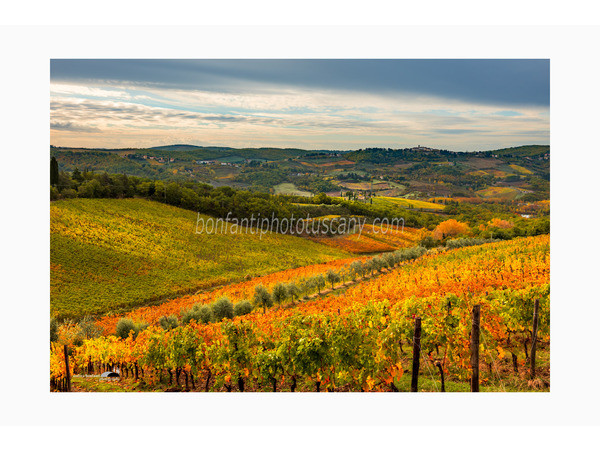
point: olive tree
(222, 308)
(280, 293)
(262, 298)
(333, 277)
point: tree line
(217, 201)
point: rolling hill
(113, 255)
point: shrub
(429, 242)
(68, 193)
(408, 254)
(168, 323)
(242, 308)
(368, 267)
(467, 242)
(378, 263)
(206, 314)
(390, 260)
(124, 326)
(191, 314)
(222, 308)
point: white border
(25, 80)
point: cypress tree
(53, 171)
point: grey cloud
(483, 81)
(456, 131)
(69, 126)
(93, 110)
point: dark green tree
(53, 171)
(76, 176)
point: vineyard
(373, 239)
(235, 292)
(357, 339)
(111, 255)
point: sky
(459, 105)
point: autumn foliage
(450, 228)
(353, 341)
(500, 223)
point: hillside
(186, 147)
(524, 150)
(410, 173)
(111, 255)
(356, 337)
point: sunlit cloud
(86, 91)
(69, 126)
(130, 113)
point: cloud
(68, 126)
(239, 108)
(87, 91)
(456, 131)
(508, 113)
(327, 125)
(481, 81)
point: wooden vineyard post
(534, 335)
(416, 356)
(439, 366)
(67, 368)
(475, 349)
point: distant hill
(523, 150)
(185, 147)
(413, 172)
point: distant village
(212, 161)
(159, 159)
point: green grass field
(113, 255)
(290, 189)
